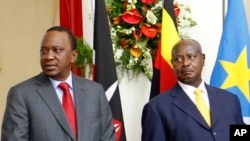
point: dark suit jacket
(34, 112)
(172, 116)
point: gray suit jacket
(34, 112)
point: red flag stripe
(71, 16)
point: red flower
(176, 10)
(147, 1)
(149, 32)
(124, 43)
(131, 17)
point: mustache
(185, 70)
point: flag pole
(223, 11)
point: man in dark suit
(174, 114)
(34, 110)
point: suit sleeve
(15, 124)
(152, 126)
(239, 116)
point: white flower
(146, 53)
(118, 54)
(130, 1)
(131, 4)
(136, 59)
(126, 31)
(151, 18)
(157, 6)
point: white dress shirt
(59, 91)
(189, 90)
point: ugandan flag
(163, 75)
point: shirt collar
(192, 88)
(55, 83)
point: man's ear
(203, 58)
(74, 56)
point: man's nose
(186, 61)
(49, 54)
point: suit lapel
(79, 92)
(49, 96)
(186, 105)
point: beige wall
(22, 24)
(247, 6)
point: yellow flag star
(238, 74)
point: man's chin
(51, 73)
(187, 80)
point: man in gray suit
(34, 110)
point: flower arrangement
(135, 32)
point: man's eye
(57, 50)
(43, 50)
(191, 57)
(178, 59)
